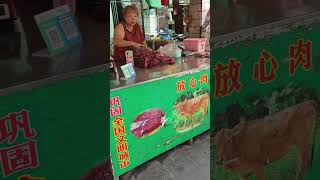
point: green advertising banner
(266, 95)
(150, 118)
(55, 132)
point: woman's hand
(136, 45)
(149, 49)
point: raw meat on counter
(145, 58)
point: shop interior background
(185, 17)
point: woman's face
(131, 18)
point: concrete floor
(185, 162)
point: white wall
(111, 24)
(111, 32)
(205, 9)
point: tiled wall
(150, 22)
(198, 10)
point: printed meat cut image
(148, 123)
(191, 109)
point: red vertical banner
(18, 156)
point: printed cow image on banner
(266, 122)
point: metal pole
(142, 19)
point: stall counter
(270, 105)
(162, 108)
(53, 108)
(182, 65)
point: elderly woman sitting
(127, 35)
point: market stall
(52, 106)
(162, 108)
(266, 92)
(159, 95)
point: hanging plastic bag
(171, 50)
(145, 5)
(154, 3)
